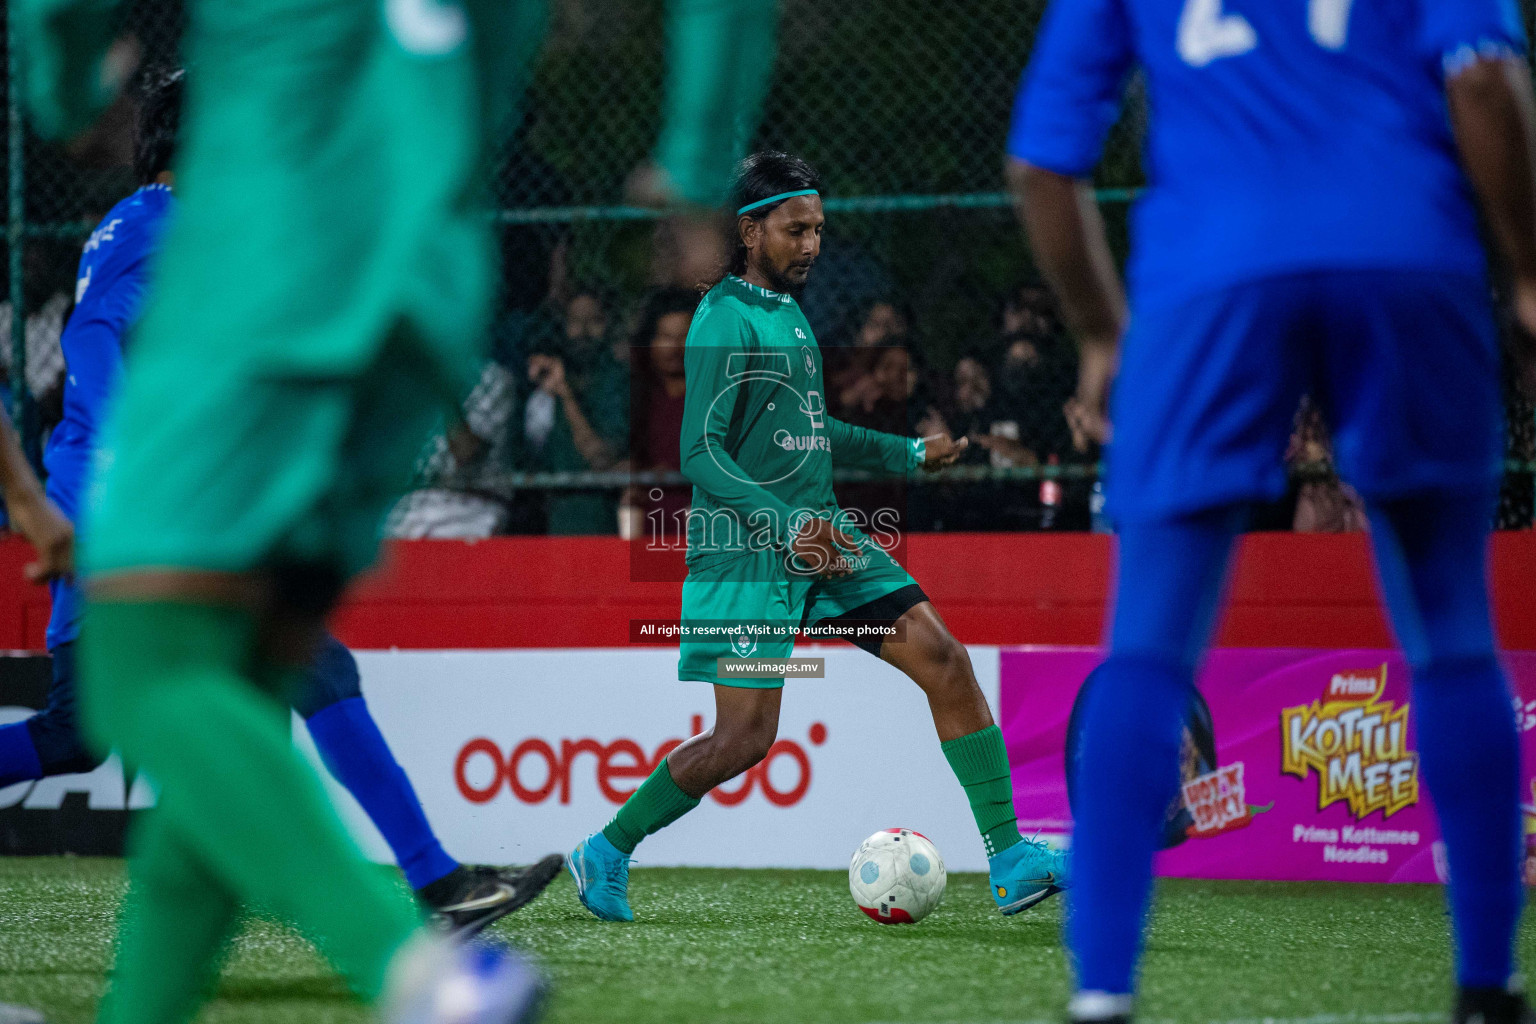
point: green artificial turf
(737, 946)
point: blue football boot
(1025, 874)
(602, 878)
(442, 980)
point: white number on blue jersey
(1329, 22)
(429, 28)
(1206, 34)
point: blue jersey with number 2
(1284, 135)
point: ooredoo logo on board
(536, 770)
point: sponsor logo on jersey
(814, 408)
(790, 443)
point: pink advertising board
(1317, 772)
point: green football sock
(240, 818)
(655, 805)
(980, 762)
(176, 921)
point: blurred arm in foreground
(719, 60)
(1067, 235)
(1491, 105)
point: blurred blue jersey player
(109, 292)
(1310, 225)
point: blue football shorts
(1403, 363)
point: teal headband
(774, 199)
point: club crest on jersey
(810, 361)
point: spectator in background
(657, 391)
(461, 500)
(884, 324)
(893, 396)
(48, 283)
(585, 323)
(1030, 314)
(972, 411)
(576, 418)
(971, 407)
(883, 393)
(853, 389)
(1035, 372)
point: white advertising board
(520, 753)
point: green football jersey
(323, 290)
(713, 98)
(757, 440)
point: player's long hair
(159, 123)
(757, 177)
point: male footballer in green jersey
(320, 298)
(768, 546)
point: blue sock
(1168, 589)
(354, 750)
(1127, 774)
(1431, 559)
(18, 755)
(1469, 752)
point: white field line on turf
(1345, 1018)
(1318, 1018)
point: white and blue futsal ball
(897, 876)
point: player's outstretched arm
(1492, 108)
(855, 447)
(32, 514)
(1066, 233)
(72, 64)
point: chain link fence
(924, 300)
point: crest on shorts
(743, 645)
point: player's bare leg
(746, 724)
(940, 665)
(1022, 871)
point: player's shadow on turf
(311, 987)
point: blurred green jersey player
(319, 299)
